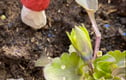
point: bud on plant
(80, 40)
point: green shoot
(81, 42)
(75, 65)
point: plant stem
(97, 32)
(91, 68)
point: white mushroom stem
(34, 19)
(97, 32)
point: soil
(20, 45)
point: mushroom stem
(97, 33)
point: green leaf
(71, 49)
(80, 40)
(42, 61)
(109, 65)
(116, 57)
(91, 5)
(64, 68)
(104, 58)
(120, 72)
(98, 74)
(120, 57)
(106, 67)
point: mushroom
(33, 13)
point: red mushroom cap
(36, 5)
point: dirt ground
(20, 45)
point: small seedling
(71, 66)
(91, 6)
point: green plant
(91, 6)
(79, 38)
(79, 65)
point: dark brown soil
(20, 45)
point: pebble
(51, 35)
(3, 17)
(107, 25)
(59, 11)
(124, 34)
(33, 39)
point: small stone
(124, 34)
(107, 25)
(33, 39)
(3, 17)
(59, 11)
(49, 35)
